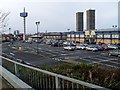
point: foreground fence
(44, 80)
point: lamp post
(9, 30)
(69, 33)
(37, 23)
(114, 26)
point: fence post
(57, 83)
(16, 70)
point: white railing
(42, 80)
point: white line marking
(12, 54)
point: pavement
(4, 84)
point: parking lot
(58, 54)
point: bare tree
(3, 18)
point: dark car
(99, 47)
(55, 44)
(60, 43)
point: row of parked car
(71, 45)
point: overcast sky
(58, 15)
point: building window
(100, 36)
(115, 36)
(73, 35)
(82, 35)
(77, 35)
(106, 35)
(68, 35)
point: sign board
(90, 33)
(24, 14)
(86, 32)
(93, 33)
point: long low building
(94, 36)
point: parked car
(69, 47)
(49, 42)
(28, 41)
(99, 47)
(105, 47)
(38, 41)
(81, 46)
(114, 53)
(112, 46)
(117, 46)
(55, 44)
(60, 43)
(92, 48)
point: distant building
(16, 32)
(79, 21)
(119, 14)
(90, 19)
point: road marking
(12, 54)
(64, 54)
(13, 47)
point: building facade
(90, 19)
(56, 35)
(108, 37)
(79, 21)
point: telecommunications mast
(24, 15)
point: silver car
(69, 47)
(92, 48)
(114, 53)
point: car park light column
(114, 26)
(37, 23)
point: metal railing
(44, 80)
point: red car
(105, 47)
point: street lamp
(37, 23)
(114, 26)
(9, 30)
(68, 30)
(69, 34)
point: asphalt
(54, 55)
